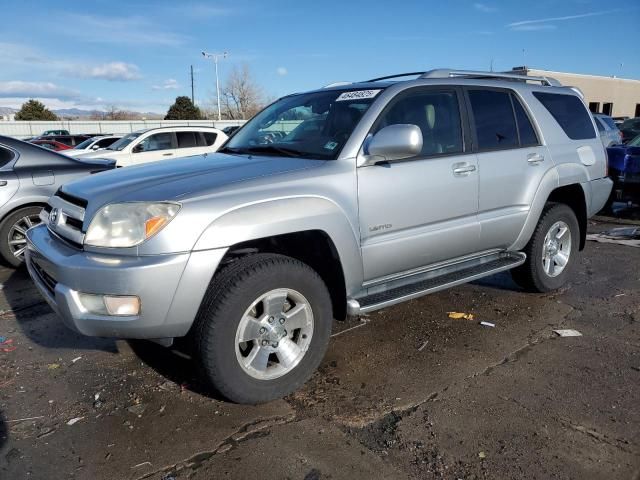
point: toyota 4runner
(334, 202)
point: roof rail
(337, 84)
(396, 76)
(446, 73)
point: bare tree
(241, 96)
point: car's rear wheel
(551, 252)
(13, 234)
(263, 328)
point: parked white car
(162, 143)
(607, 130)
(91, 145)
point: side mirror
(395, 142)
(95, 147)
(138, 148)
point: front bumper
(170, 287)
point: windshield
(85, 144)
(312, 125)
(124, 141)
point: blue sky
(136, 55)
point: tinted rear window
(187, 139)
(570, 113)
(494, 121)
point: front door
(422, 210)
(157, 146)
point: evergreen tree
(35, 110)
(183, 109)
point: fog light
(122, 305)
(113, 305)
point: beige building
(617, 97)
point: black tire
(228, 297)
(6, 252)
(531, 275)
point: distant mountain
(7, 110)
(80, 114)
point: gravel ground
(403, 393)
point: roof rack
(446, 73)
(396, 76)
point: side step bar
(436, 280)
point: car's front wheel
(551, 252)
(13, 234)
(263, 328)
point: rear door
(189, 142)
(511, 162)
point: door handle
(463, 169)
(535, 158)
(3, 183)
(167, 154)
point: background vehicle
(50, 144)
(624, 170)
(55, 132)
(161, 143)
(397, 189)
(92, 144)
(630, 129)
(229, 130)
(29, 175)
(607, 130)
(69, 140)
(619, 120)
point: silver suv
(334, 202)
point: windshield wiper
(287, 152)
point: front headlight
(128, 224)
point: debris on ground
(363, 322)
(488, 324)
(76, 359)
(137, 409)
(423, 346)
(24, 419)
(6, 344)
(53, 366)
(142, 464)
(568, 332)
(460, 315)
(482, 455)
(73, 421)
(629, 236)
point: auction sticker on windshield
(357, 95)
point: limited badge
(357, 95)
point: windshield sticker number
(330, 145)
(357, 95)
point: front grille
(66, 217)
(48, 281)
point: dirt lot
(404, 393)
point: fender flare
(287, 215)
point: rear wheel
(13, 234)
(551, 252)
(263, 328)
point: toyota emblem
(53, 216)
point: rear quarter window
(6, 156)
(570, 113)
(209, 138)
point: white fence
(19, 129)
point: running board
(434, 280)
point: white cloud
(169, 84)
(18, 88)
(112, 71)
(483, 7)
(521, 23)
(282, 71)
(534, 27)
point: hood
(105, 153)
(107, 163)
(180, 178)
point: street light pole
(215, 57)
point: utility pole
(192, 100)
(215, 57)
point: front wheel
(551, 252)
(13, 234)
(263, 328)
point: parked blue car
(624, 170)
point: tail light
(606, 162)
